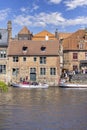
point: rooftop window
(24, 48)
(43, 48)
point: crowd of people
(67, 75)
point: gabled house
(34, 61)
(75, 51)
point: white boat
(27, 85)
(65, 84)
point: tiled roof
(71, 42)
(64, 35)
(41, 35)
(33, 47)
(24, 30)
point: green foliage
(3, 86)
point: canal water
(43, 109)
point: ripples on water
(43, 109)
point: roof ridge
(24, 30)
(43, 31)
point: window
(42, 60)
(52, 71)
(42, 71)
(15, 71)
(32, 70)
(24, 48)
(75, 56)
(25, 38)
(86, 55)
(15, 59)
(2, 53)
(24, 58)
(75, 67)
(35, 58)
(43, 48)
(2, 69)
(22, 38)
(81, 45)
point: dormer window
(81, 46)
(0, 36)
(43, 48)
(24, 48)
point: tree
(3, 86)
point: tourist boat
(30, 85)
(64, 84)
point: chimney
(9, 28)
(86, 33)
(56, 34)
(47, 37)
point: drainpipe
(61, 54)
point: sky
(39, 15)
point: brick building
(75, 50)
(5, 36)
(42, 56)
(33, 59)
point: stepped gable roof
(71, 42)
(24, 30)
(34, 48)
(43, 33)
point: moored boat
(65, 84)
(30, 85)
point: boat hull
(72, 85)
(30, 86)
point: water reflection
(43, 109)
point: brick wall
(24, 69)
